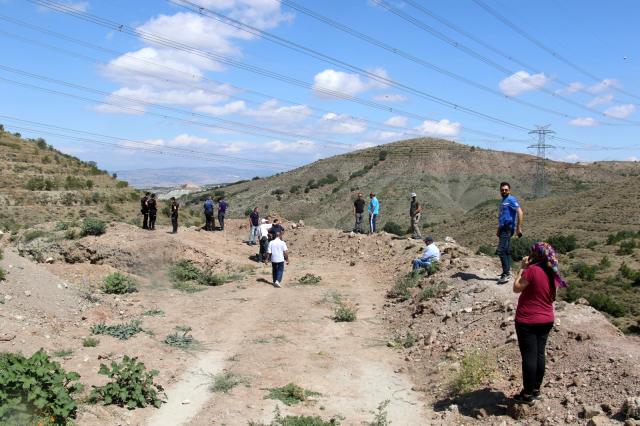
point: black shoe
(524, 398)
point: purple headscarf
(544, 252)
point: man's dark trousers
(145, 220)
(277, 270)
(209, 224)
(504, 248)
(221, 220)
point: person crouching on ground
(536, 282)
(278, 255)
(263, 236)
(430, 256)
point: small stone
(631, 408)
(512, 338)
(8, 297)
(598, 421)
(27, 293)
(582, 301)
(589, 411)
(19, 317)
(49, 260)
(453, 408)
(186, 402)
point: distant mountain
(176, 176)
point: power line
(153, 38)
(439, 35)
(486, 45)
(547, 49)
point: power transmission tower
(539, 185)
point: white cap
(413, 194)
(264, 220)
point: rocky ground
(406, 349)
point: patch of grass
(591, 244)
(332, 296)
(62, 353)
(605, 303)
(188, 286)
(32, 235)
(626, 248)
(619, 236)
(90, 342)
(604, 263)
(212, 279)
(184, 270)
(224, 382)
(279, 420)
(432, 291)
(486, 249)
(92, 226)
(345, 313)
(393, 228)
(408, 341)
(563, 243)
(119, 331)
(290, 394)
(153, 313)
(380, 415)
(309, 279)
(475, 368)
(117, 283)
(3, 274)
(181, 338)
(584, 271)
(400, 289)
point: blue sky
(170, 91)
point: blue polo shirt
(374, 206)
(507, 212)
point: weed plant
(131, 386)
(62, 353)
(309, 279)
(3, 274)
(90, 342)
(224, 382)
(290, 394)
(380, 415)
(563, 243)
(117, 283)
(119, 331)
(400, 290)
(432, 291)
(181, 338)
(393, 228)
(486, 249)
(279, 420)
(153, 313)
(475, 368)
(345, 313)
(92, 226)
(32, 235)
(626, 248)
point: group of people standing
(149, 210)
(358, 211)
(209, 209)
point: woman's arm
(519, 283)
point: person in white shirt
(278, 255)
(263, 238)
(430, 255)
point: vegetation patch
(131, 385)
(626, 248)
(119, 331)
(92, 226)
(621, 235)
(181, 338)
(380, 415)
(520, 247)
(279, 420)
(189, 278)
(309, 279)
(290, 394)
(118, 283)
(63, 353)
(475, 368)
(90, 342)
(3, 274)
(36, 389)
(432, 291)
(486, 250)
(225, 381)
(584, 271)
(393, 228)
(563, 243)
(345, 313)
(153, 313)
(33, 234)
(407, 341)
(400, 289)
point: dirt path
(271, 337)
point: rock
(589, 411)
(598, 421)
(49, 260)
(449, 240)
(27, 293)
(8, 297)
(468, 309)
(352, 263)
(631, 422)
(453, 408)
(352, 234)
(519, 411)
(482, 413)
(294, 226)
(631, 408)
(301, 223)
(6, 337)
(582, 301)
(512, 338)
(186, 402)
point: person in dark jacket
(144, 209)
(208, 214)
(174, 214)
(153, 211)
(222, 209)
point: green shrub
(393, 228)
(626, 248)
(122, 184)
(248, 211)
(90, 342)
(486, 249)
(119, 331)
(290, 394)
(277, 191)
(117, 283)
(153, 313)
(345, 313)
(181, 338)
(619, 236)
(475, 368)
(382, 155)
(32, 235)
(92, 226)
(131, 386)
(626, 272)
(520, 247)
(71, 234)
(584, 271)
(563, 243)
(327, 180)
(592, 244)
(295, 189)
(309, 279)
(224, 382)
(279, 420)
(605, 303)
(39, 183)
(3, 274)
(184, 270)
(432, 291)
(604, 263)
(400, 290)
(218, 193)
(35, 389)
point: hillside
(449, 178)
(39, 184)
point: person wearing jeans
(278, 255)
(430, 255)
(536, 282)
(374, 210)
(222, 209)
(254, 223)
(510, 217)
(358, 212)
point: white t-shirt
(263, 230)
(276, 249)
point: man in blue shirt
(208, 214)
(374, 210)
(222, 209)
(510, 217)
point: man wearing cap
(263, 236)
(374, 210)
(430, 255)
(414, 212)
(358, 212)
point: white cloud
(521, 82)
(598, 100)
(364, 145)
(385, 136)
(390, 97)
(344, 82)
(271, 111)
(382, 73)
(397, 121)
(603, 85)
(80, 6)
(258, 13)
(633, 158)
(342, 124)
(165, 97)
(620, 111)
(236, 146)
(572, 158)
(300, 146)
(443, 127)
(189, 140)
(129, 109)
(226, 109)
(583, 122)
(576, 86)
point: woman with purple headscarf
(536, 281)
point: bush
(486, 249)
(3, 274)
(475, 368)
(90, 342)
(32, 235)
(626, 272)
(131, 386)
(224, 382)
(184, 270)
(290, 394)
(309, 279)
(279, 420)
(520, 248)
(118, 283)
(277, 191)
(619, 236)
(626, 248)
(119, 331)
(41, 184)
(92, 226)
(592, 244)
(382, 155)
(295, 189)
(248, 211)
(604, 263)
(345, 313)
(605, 303)
(400, 290)
(181, 338)
(122, 184)
(563, 243)
(432, 291)
(328, 180)
(34, 389)
(584, 271)
(393, 228)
